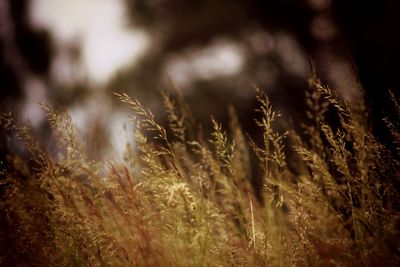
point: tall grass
(180, 199)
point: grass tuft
(328, 196)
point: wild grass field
(329, 195)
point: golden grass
(183, 200)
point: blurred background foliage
(76, 53)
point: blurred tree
(276, 38)
(270, 43)
(24, 51)
(266, 33)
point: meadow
(182, 198)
